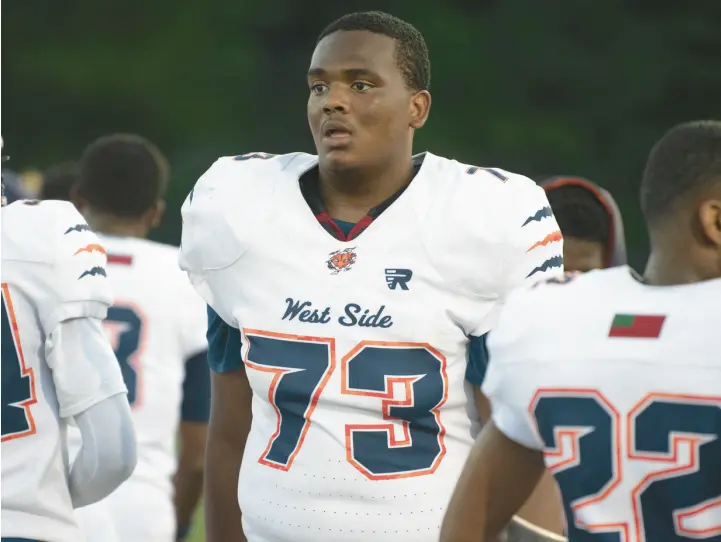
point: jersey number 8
(125, 326)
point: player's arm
(194, 414)
(533, 252)
(497, 479)
(230, 419)
(506, 462)
(88, 383)
(90, 389)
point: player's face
(359, 110)
(581, 255)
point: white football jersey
(619, 383)
(53, 269)
(156, 323)
(356, 351)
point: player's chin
(338, 158)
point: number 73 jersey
(620, 386)
(356, 351)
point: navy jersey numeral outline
(302, 367)
(18, 380)
(655, 428)
(128, 346)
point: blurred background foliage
(537, 87)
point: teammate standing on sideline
(591, 223)
(349, 295)
(619, 385)
(57, 368)
(157, 325)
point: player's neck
(673, 268)
(348, 195)
(115, 226)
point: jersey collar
(310, 188)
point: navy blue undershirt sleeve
(223, 345)
(196, 390)
(477, 360)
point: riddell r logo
(398, 277)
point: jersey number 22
(677, 436)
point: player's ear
(710, 218)
(420, 106)
(155, 214)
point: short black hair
(411, 48)
(685, 159)
(580, 214)
(58, 181)
(122, 174)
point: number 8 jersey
(357, 351)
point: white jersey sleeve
(76, 285)
(519, 235)
(84, 368)
(206, 244)
(233, 187)
(505, 380)
(194, 324)
(534, 250)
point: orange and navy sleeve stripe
(545, 238)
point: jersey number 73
(408, 378)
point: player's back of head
(58, 181)
(411, 48)
(585, 222)
(683, 169)
(122, 175)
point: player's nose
(336, 100)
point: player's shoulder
(548, 308)
(489, 198)
(73, 283)
(161, 260)
(234, 197)
(474, 179)
(249, 173)
(45, 231)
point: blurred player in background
(58, 181)
(157, 325)
(620, 383)
(57, 366)
(348, 291)
(590, 221)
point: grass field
(197, 534)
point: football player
(57, 368)
(157, 325)
(349, 295)
(619, 385)
(58, 181)
(591, 223)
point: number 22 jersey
(620, 386)
(357, 351)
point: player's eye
(318, 88)
(361, 86)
